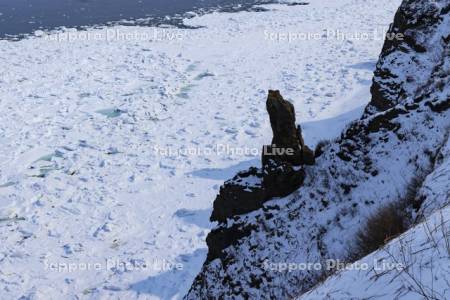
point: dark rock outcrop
(223, 237)
(281, 173)
(242, 194)
(281, 178)
(287, 143)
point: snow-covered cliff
(395, 144)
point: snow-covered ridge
(398, 138)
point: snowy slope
(80, 180)
(372, 164)
(415, 265)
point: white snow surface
(81, 183)
(416, 265)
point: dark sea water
(21, 17)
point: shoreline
(176, 20)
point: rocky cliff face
(281, 174)
(406, 63)
(396, 141)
